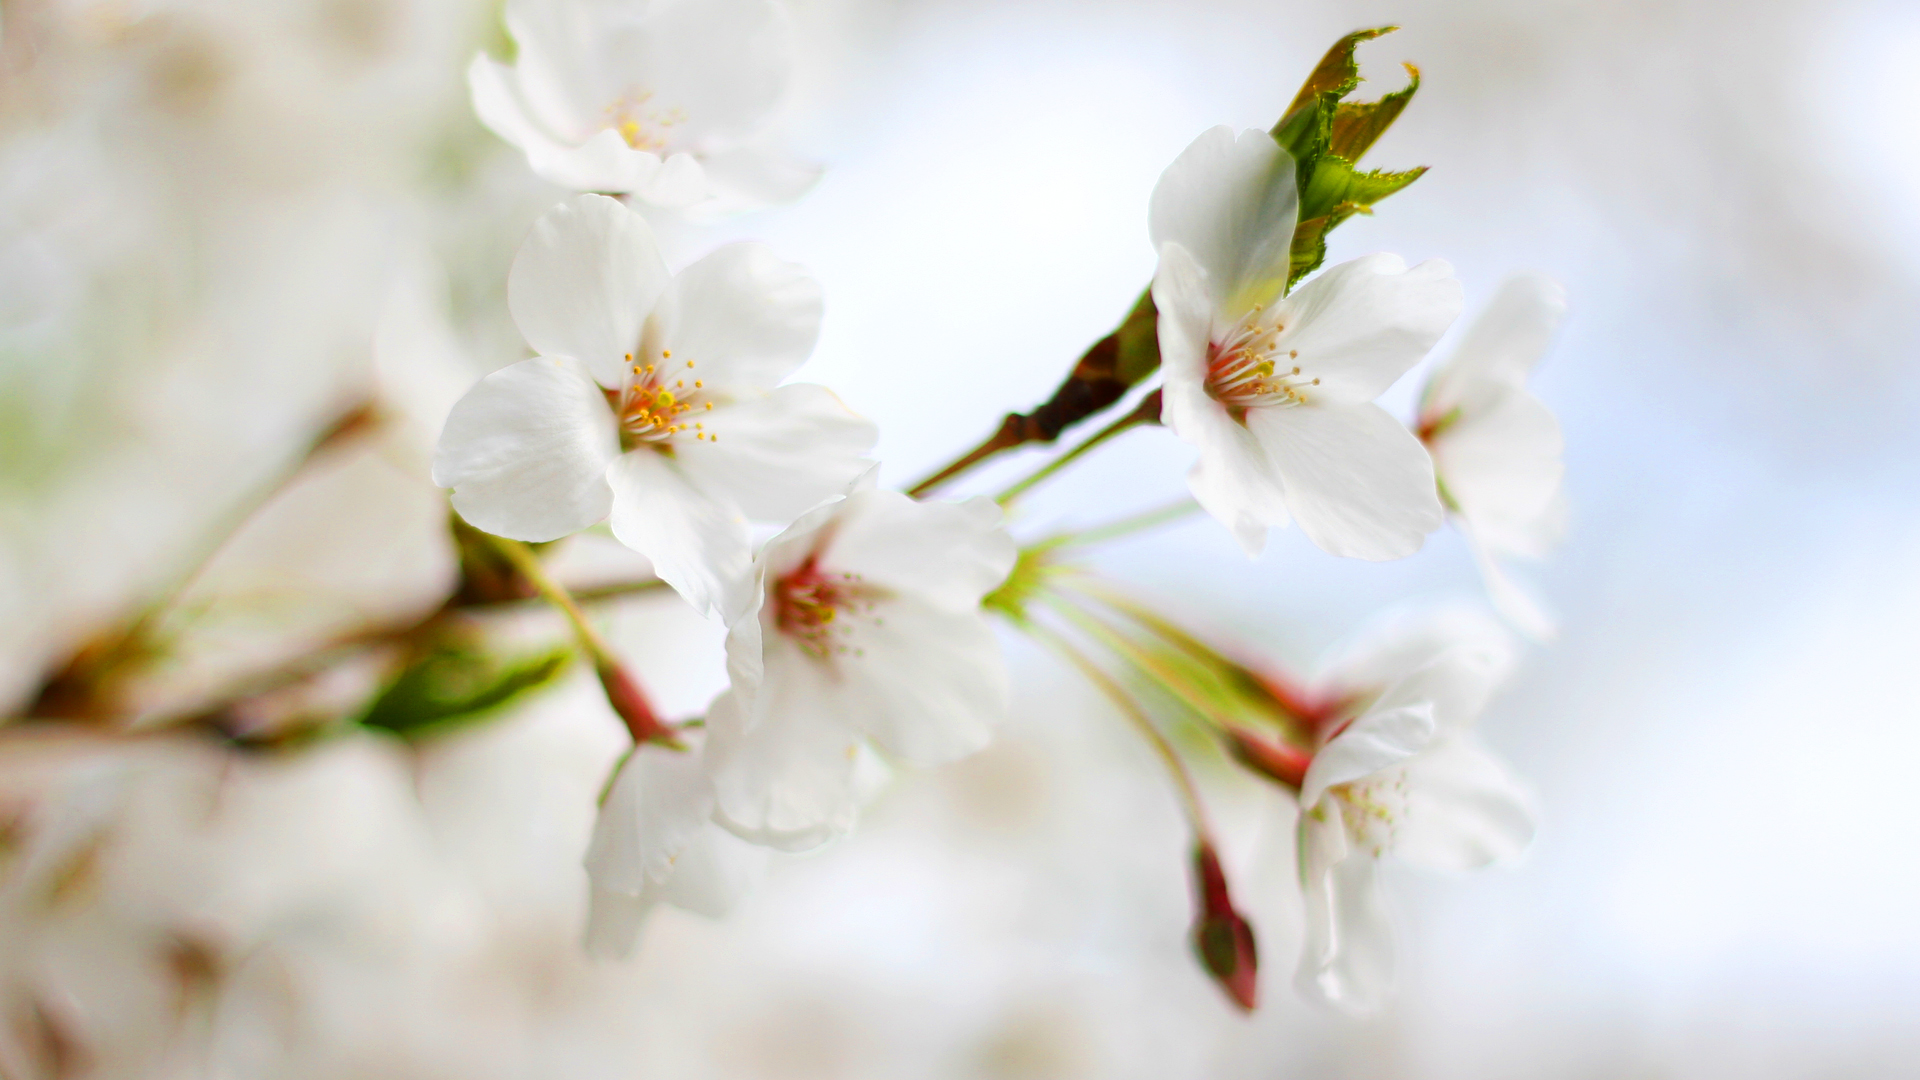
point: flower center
(1371, 808)
(1245, 370)
(642, 127)
(659, 402)
(813, 607)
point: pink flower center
(812, 606)
(642, 127)
(1244, 371)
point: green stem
(1182, 780)
(1126, 526)
(623, 691)
(1147, 412)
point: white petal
(926, 685)
(714, 872)
(784, 771)
(948, 555)
(526, 451)
(499, 107)
(1515, 603)
(1501, 467)
(583, 283)
(602, 163)
(749, 178)
(1465, 809)
(696, 539)
(657, 805)
(1375, 741)
(1359, 326)
(1232, 480)
(1404, 641)
(723, 64)
(778, 454)
(745, 318)
(1501, 347)
(1456, 683)
(1230, 201)
(1347, 960)
(1358, 482)
(681, 182)
(614, 920)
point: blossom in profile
(1406, 777)
(655, 401)
(1496, 448)
(863, 626)
(655, 842)
(663, 100)
(1276, 389)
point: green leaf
(1326, 137)
(454, 684)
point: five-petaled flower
(654, 401)
(1276, 389)
(1496, 447)
(660, 99)
(1404, 776)
(863, 623)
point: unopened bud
(624, 694)
(1222, 939)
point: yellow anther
(664, 399)
(1293, 354)
(697, 384)
(689, 363)
(666, 354)
(709, 406)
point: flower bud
(1221, 938)
(624, 694)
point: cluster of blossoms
(859, 621)
(656, 403)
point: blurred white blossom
(1496, 447)
(661, 99)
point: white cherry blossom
(1405, 777)
(660, 99)
(1276, 389)
(1496, 448)
(654, 401)
(655, 842)
(864, 625)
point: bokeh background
(218, 223)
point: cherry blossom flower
(655, 842)
(1496, 447)
(1407, 777)
(864, 624)
(661, 100)
(654, 401)
(1276, 389)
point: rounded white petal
(526, 451)
(696, 539)
(659, 802)
(602, 163)
(1404, 641)
(681, 182)
(778, 454)
(926, 685)
(1501, 466)
(1230, 201)
(497, 103)
(1358, 482)
(1456, 684)
(1465, 809)
(745, 318)
(1380, 739)
(720, 66)
(782, 763)
(583, 284)
(751, 177)
(614, 920)
(1347, 958)
(714, 872)
(1511, 600)
(947, 555)
(1360, 325)
(1501, 347)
